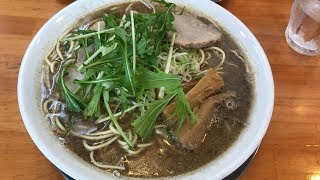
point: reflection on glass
(315, 177)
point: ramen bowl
(29, 87)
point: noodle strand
(102, 145)
(104, 166)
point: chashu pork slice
(193, 33)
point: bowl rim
(79, 175)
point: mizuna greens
(122, 66)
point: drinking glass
(303, 31)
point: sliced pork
(193, 33)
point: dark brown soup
(166, 156)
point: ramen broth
(165, 157)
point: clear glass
(303, 31)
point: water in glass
(303, 31)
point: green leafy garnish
(183, 111)
(113, 119)
(121, 70)
(73, 102)
(153, 80)
(124, 52)
(145, 123)
(173, 86)
(93, 108)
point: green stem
(113, 119)
(89, 34)
(96, 81)
(133, 42)
(118, 114)
(101, 62)
(167, 69)
(91, 57)
(170, 53)
(123, 20)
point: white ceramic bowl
(64, 159)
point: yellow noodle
(47, 77)
(104, 166)
(58, 51)
(102, 145)
(45, 105)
